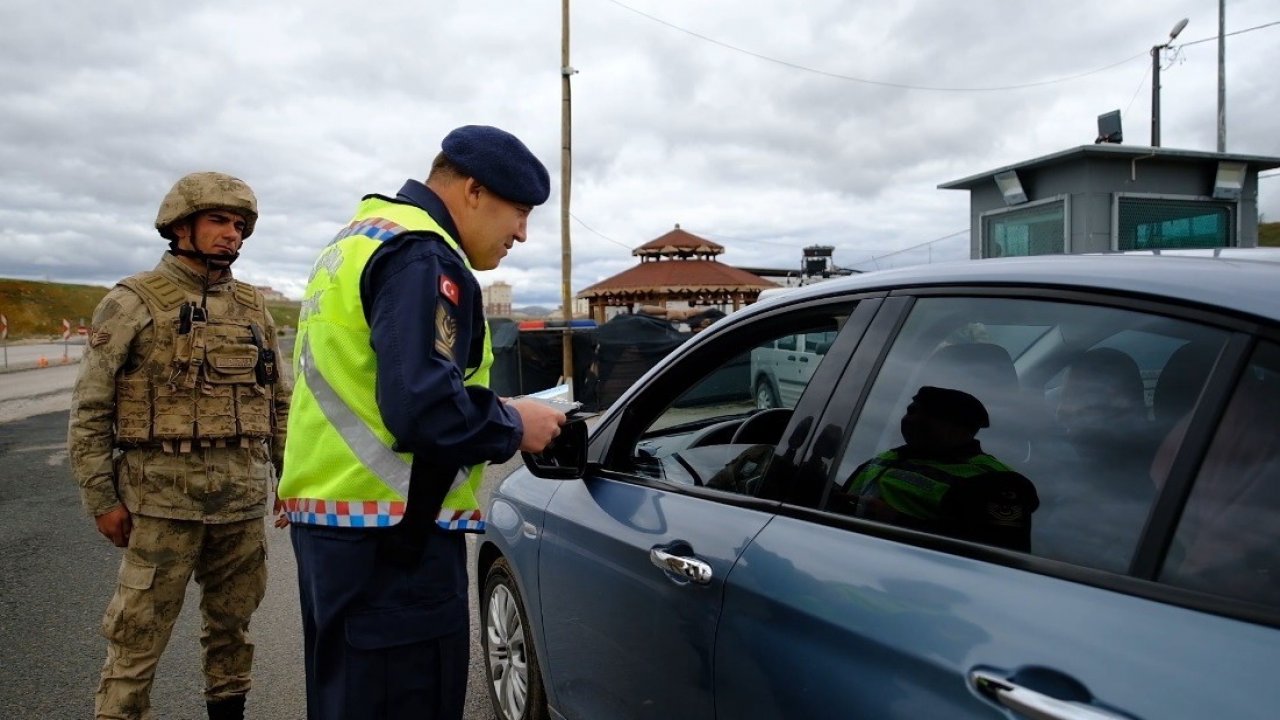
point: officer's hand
(277, 509)
(541, 423)
(116, 525)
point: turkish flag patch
(449, 289)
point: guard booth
(1111, 198)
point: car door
(829, 613)
(633, 558)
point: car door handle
(692, 569)
(1031, 704)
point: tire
(766, 396)
(513, 675)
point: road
(24, 356)
(57, 573)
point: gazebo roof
(678, 243)
(675, 277)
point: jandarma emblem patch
(446, 331)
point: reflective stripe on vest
(348, 475)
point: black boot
(231, 708)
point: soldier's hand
(541, 423)
(116, 525)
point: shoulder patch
(99, 337)
(155, 289)
(446, 332)
(247, 295)
(449, 289)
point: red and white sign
(81, 329)
(66, 329)
(4, 327)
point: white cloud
(315, 105)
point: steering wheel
(764, 427)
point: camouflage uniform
(179, 427)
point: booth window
(1038, 229)
(1166, 224)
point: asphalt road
(17, 356)
(57, 573)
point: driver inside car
(940, 481)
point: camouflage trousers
(229, 563)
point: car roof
(1245, 280)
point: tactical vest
(204, 382)
(345, 473)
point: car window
(725, 416)
(1051, 453)
(1228, 539)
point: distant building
(1109, 198)
(817, 263)
(271, 294)
(497, 299)
(678, 270)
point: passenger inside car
(940, 480)
(1097, 495)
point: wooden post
(566, 164)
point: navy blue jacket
(420, 390)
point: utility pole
(1222, 76)
(566, 165)
(1155, 81)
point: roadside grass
(35, 309)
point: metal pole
(1222, 75)
(566, 164)
(1155, 96)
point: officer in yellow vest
(176, 435)
(393, 423)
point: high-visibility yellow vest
(339, 465)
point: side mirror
(565, 458)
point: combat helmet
(206, 191)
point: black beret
(500, 162)
(953, 406)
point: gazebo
(678, 269)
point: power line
(867, 81)
(1141, 83)
(1261, 176)
(597, 232)
(877, 258)
(1236, 32)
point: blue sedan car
(1039, 487)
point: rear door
(1132, 601)
(634, 558)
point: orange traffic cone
(42, 362)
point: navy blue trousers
(385, 622)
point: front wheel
(511, 665)
(765, 396)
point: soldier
(177, 430)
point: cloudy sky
(765, 125)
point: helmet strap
(211, 262)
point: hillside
(36, 309)
(1269, 234)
